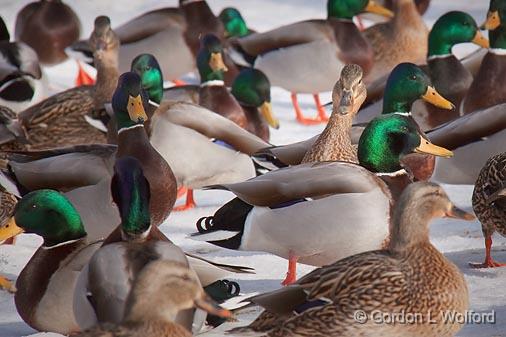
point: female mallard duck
(402, 39)
(62, 119)
(45, 287)
(48, 26)
(410, 277)
(126, 252)
(8, 201)
(487, 88)
(317, 47)
(488, 204)
(318, 194)
(22, 82)
(234, 23)
(447, 73)
(162, 290)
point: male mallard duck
(162, 290)
(487, 88)
(402, 39)
(62, 119)
(307, 56)
(126, 252)
(45, 287)
(447, 73)
(318, 194)
(48, 26)
(488, 204)
(234, 23)
(22, 82)
(410, 277)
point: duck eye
(413, 77)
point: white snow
(461, 241)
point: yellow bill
(428, 148)
(10, 230)
(433, 97)
(216, 62)
(266, 110)
(480, 40)
(136, 109)
(457, 213)
(493, 21)
(374, 7)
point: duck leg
(298, 112)
(189, 204)
(83, 78)
(322, 114)
(7, 285)
(291, 275)
(489, 262)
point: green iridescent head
(49, 214)
(495, 23)
(233, 22)
(129, 101)
(347, 9)
(407, 83)
(210, 59)
(453, 28)
(388, 138)
(130, 191)
(147, 67)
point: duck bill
(208, 305)
(216, 62)
(457, 213)
(435, 98)
(493, 21)
(428, 148)
(266, 111)
(374, 7)
(480, 40)
(10, 230)
(136, 109)
(346, 102)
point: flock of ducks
(95, 169)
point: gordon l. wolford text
(430, 317)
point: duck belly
(169, 48)
(306, 68)
(195, 160)
(320, 231)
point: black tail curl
(205, 224)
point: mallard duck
(234, 23)
(8, 201)
(65, 118)
(133, 245)
(48, 26)
(287, 54)
(162, 290)
(488, 204)
(402, 39)
(22, 82)
(45, 287)
(318, 194)
(487, 88)
(410, 277)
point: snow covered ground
(460, 241)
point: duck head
(103, 41)
(388, 138)
(164, 288)
(349, 92)
(407, 83)
(234, 23)
(495, 23)
(210, 59)
(453, 28)
(252, 88)
(347, 9)
(129, 101)
(419, 203)
(147, 67)
(47, 213)
(130, 192)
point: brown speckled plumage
(411, 276)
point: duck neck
(410, 228)
(498, 38)
(406, 15)
(335, 138)
(438, 45)
(392, 105)
(132, 138)
(107, 73)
